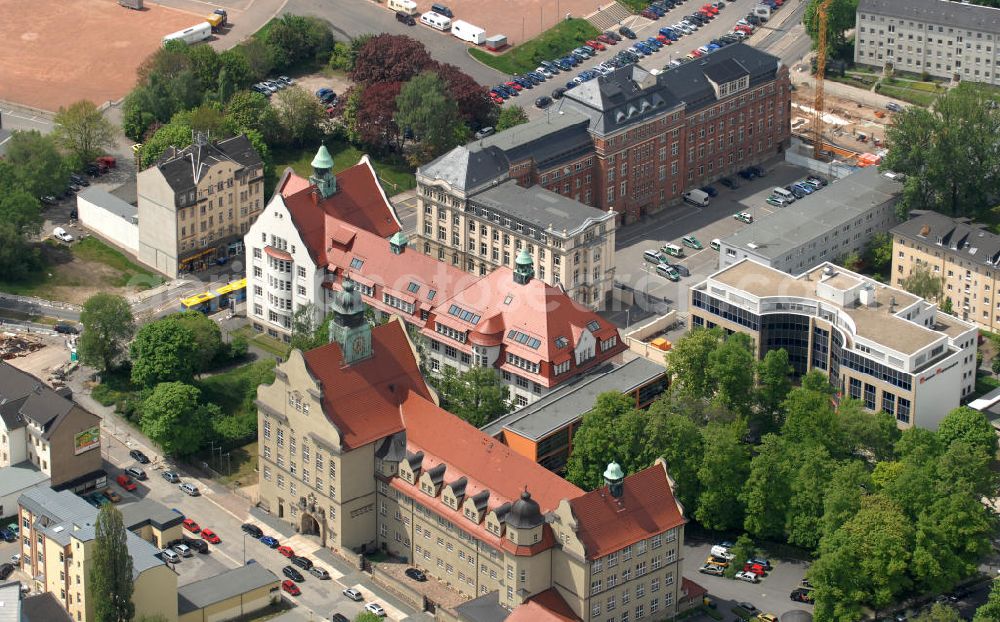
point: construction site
(43, 355)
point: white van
(436, 21)
(696, 197)
(784, 194)
(467, 32)
(408, 7)
(723, 552)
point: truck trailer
(194, 34)
(468, 32)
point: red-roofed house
(306, 243)
(355, 450)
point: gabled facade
(355, 450)
(307, 245)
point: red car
(605, 39)
(496, 99)
(743, 28)
(126, 482)
(514, 85)
(596, 45)
(711, 9)
(286, 551)
(697, 53)
(705, 12)
(665, 40)
(209, 535)
(191, 526)
(289, 586)
(757, 569)
(649, 14)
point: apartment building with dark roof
(197, 203)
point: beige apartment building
(355, 450)
(197, 203)
(480, 228)
(964, 254)
(57, 539)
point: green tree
(173, 418)
(687, 361)
(773, 385)
(367, 616)
(848, 484)
(305, 329)
(83, 131)
(478, 395)
(867, 434)
(990, 610)
(36, 164)
(731, 367)
(841, 16)
(767, 490)
(809, 415)
(300, 115)
(875, 544)
(676, 438)
(723, 471)
(969, 424)
(743, 549)
(612, 430)
(207, 338)
(174, 134)
(937, 147)
(510, 116)
(939, 612)
(297, 39)
(163, 351)
(811, 473)
(878, 254)
(248, 111)
(424, 108)
(952, 537)
(111, 584)
(108, 325)
(922, 282)
(209, 118)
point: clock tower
(348, 327)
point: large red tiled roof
(646, 508)
(359, 201)
(547, 606)
(486, 462)
(363, 400)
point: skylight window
(524, 339)
(593, 326)
(413, 288)
(561, 342)
(356, 263)
(464, 315)
(508, 299)
(431, 294)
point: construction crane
(823, 19)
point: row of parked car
(786, 195)
(268, 88)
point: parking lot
(770, 595)
(705, 223)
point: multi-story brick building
(966, 256)
(196, 204)
(883, 346)
(306, 245)
(354, 449)
(950, 40)
(630, 143)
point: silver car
(190, 489)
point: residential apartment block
(629, 143)
(825, 226)
(878, 344)
(57, 542)
(307, 245)
(964, 254)
(44, 430)
(355, 450)
(950, 40)
(196, 204)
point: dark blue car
(269, 542)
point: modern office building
(889, 349)
(531, 332)
(44, 430)
(355, 449)
(962, 253)
(628, 143)
(543, 431)
(197, 203)
(950, 40)
(824, 226)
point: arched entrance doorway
(309, 525)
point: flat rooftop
(540, 207)
(559, 408)
(878, 323)
(207, 592)
(842, 201)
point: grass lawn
(234, 390)
(634, 5)
(396, 175)
(240, 468)
(263, 341)
(913, 96)
(90, 265)
(553, 43)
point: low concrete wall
(637, 338)
(408, 595)
(796, 155)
